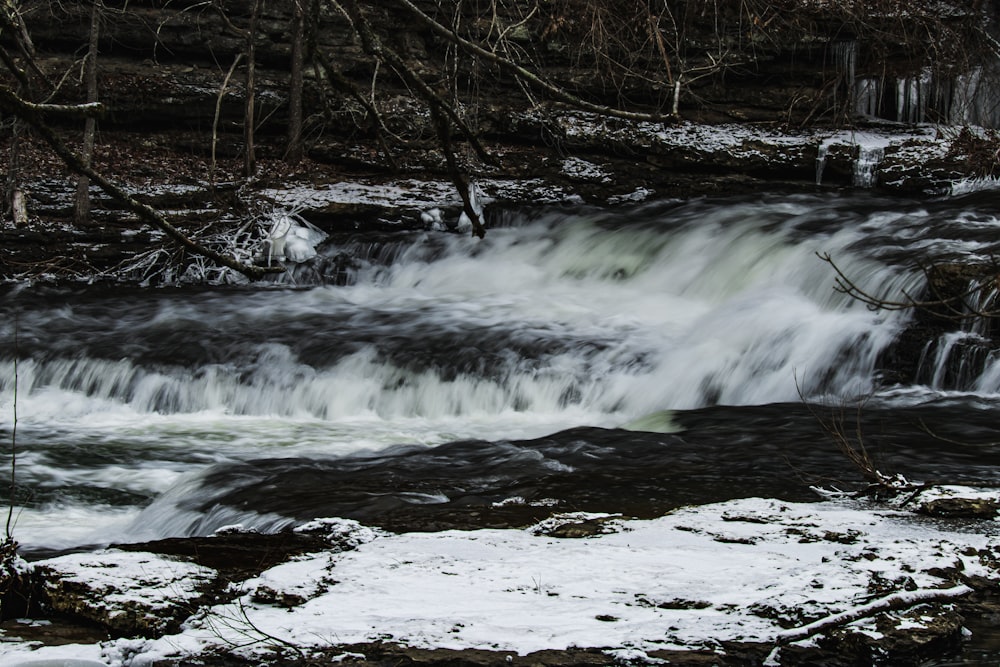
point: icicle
(846, 54)
(821, 152)
(912, 94)
(866, 94)
(975, 99)
(902, 100)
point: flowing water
(628, 360)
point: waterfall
(821, 153)
(603, 316)
(559, 319)
(870, 151)
(964, 359)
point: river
(632, 359)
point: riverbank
(745, 582)
(608, 163)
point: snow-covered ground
(885, 155)
(744, 570)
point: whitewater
(560, 318)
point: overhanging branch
(956, 307)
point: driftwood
(901, 600)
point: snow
(940, 491)
(426, 196)
(401, 193)
(584, 170)
(694, 578)
(739, 140)
(147, 580)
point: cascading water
(557, 320)
(965, 359)
(870, 151)
(866, 165)
(821, 153)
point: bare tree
(294, 152)
(14, 196)
(81, 205)
(249, 113)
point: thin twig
(13, 439)
(376, 48)
(218, 112)
(845, 285)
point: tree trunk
(14, 196)
(250, 159)
(19, 207)
(81, 206)
(295, 148)
(15, 199)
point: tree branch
(344, 84)
(958, 304)
(87, 110)
(376, 48)
(457, 177)
(902, 600)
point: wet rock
(391, 655)
(17, 594)
(51, 632)
(968, 508)
(237, 555)
(907, 638)
(575, 526)
(950, 293)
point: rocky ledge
(744, 582)
(605, 163)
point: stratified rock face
(130, 594)
(795, 62)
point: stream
(627, 360)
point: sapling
(15, 587)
